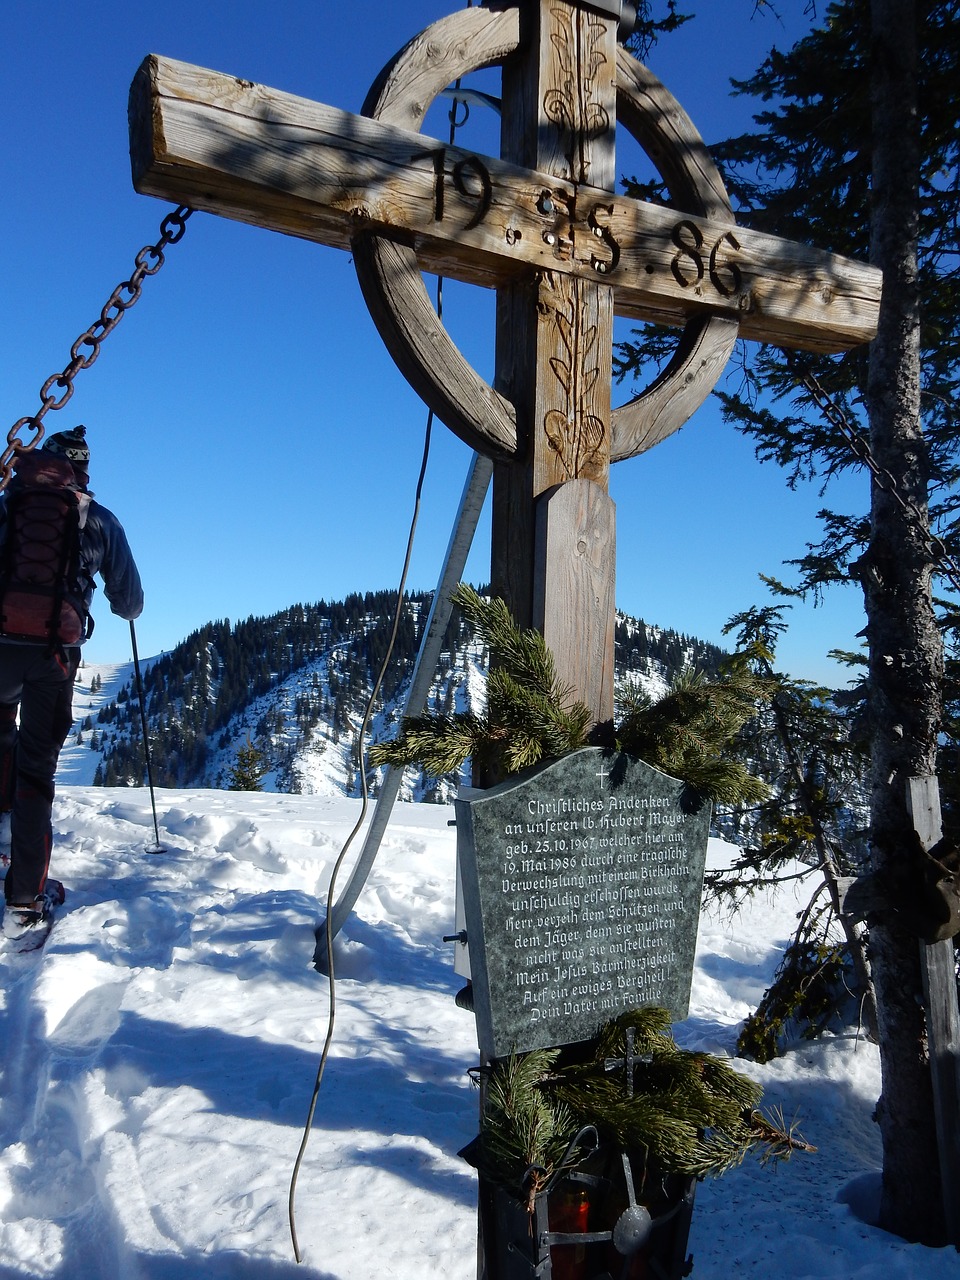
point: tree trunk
(905, 652)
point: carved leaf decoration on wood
(590, 379)
(561, 41)
(563, 372)
(558, 108)
(577, 440)
(588, 341)
(559, 102)
(592, 435)
(558, 429)
(596, 57)
(567, 331)
(598, 119)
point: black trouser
(41, 685)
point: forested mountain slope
(295, 685)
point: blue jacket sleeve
(106, 551)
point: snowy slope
(160, 1053)
(78, 763)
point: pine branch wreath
(689, 1113)
(532, 717)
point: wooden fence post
(938, 967)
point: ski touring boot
(27, 925)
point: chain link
(58, 388)
(885, 480)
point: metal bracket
(625, 11)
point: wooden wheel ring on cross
(544, 226)
(394, 288)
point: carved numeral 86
(689, 267)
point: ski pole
(157, 847)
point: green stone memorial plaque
(581, 892)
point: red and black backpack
(42, 596)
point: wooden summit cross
(545, 227)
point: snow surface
(160, 1052)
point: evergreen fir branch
(440, 743)
(778, 1139)
(522, 652)
(650, 1026)
(808, 989)
(523, 1136)
(766, 1137)
(530, 716)
(688, 732)
(677, 1095)
(645, 1123)
(718, 1152)
(689, 1113)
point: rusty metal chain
(885, 480)
(58, 388)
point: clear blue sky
(247, 425)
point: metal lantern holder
(594, 1222)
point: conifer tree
(857, 151)
(246, 772)
(810, 829)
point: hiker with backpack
(53, 538)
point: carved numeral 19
(469, 177)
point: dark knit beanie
(71, 445)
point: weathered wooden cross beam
(544, 226)
(326, 175)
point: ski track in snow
(160, 1052)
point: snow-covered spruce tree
(857, 150)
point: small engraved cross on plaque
(628, 1061)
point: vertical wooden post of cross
(938, 967)
(553, 557)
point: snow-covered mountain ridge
(295, 686)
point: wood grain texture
(572, 377)
(560, 117)
(678, 392)
(938, 966)
(404, 315)
(436, 57)
(389, 274)
(541, 224)
(272, 159)
(574, 588)
(277, 160)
